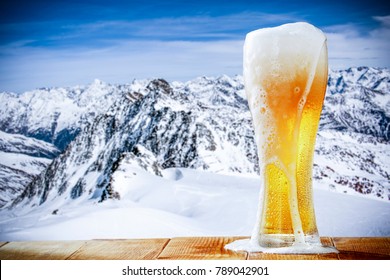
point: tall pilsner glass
(285, 75)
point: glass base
(281, 244)
(285, 240)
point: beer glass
(285, 76)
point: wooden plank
(326, 241)
(200, 248)
(362, 256)
(183, 248)
(133, 249)
(39, 250)
(363, 247)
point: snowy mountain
(22, 158)
(201, 124)
(37, 125)
(56, 115)
(358, 101)
(166, 128)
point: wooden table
(194, 248)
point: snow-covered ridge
(358, 101)
(56, 115)
(376, 79)
(17, 143)
(22, 158)
(37, 125)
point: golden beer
(285, 76)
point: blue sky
(64, 43)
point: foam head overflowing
(279, 67)
(285, 75)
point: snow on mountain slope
(358, 101)
(174, 126)
(352, 162)
(56, 115)
(205, 124)
(185, 202)
(341, 81)
(21, 159)
(16, 143)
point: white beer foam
(298, 248)
(277, 53)
(298, 43)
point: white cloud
(384, 20)
(29, 68)
(119, 60)
(349, 46)
(189, 27)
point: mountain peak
(97, 82)
(160, 85)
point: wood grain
(326, 241)
(363, 247)
(362, 256)
(200, 248)
(133, 249)
(39, 250)
(190, 248)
